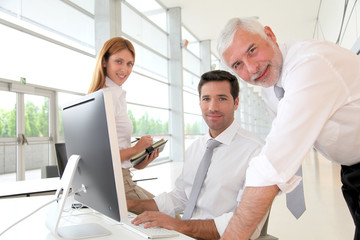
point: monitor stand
(54, 216)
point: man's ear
(236, 103)
(270, 33)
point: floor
(327, 216)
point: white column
(107, 21)
(205, 56)
(176, 118)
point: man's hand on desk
(199, 229)
(157, 219)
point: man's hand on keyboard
(204, 229)
(157, 219)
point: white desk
(29, 188)
(34, 227)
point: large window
(150, 63)
(147, 87)
(60, 20)
(152, 10)
(26, 132)
(48, 56)
(7, 135)
(63, 98)
(145, 91)
(42, 62)
(194, 125)
(36, 134)
(193, 43)
(150, 121)
(46, 48)
(144, 31)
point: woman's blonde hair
(109, 48)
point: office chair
(264, 235)
(49, 171)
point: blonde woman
(114, 64)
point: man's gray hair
(227, 34)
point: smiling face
(217, 106)
(119, 66)
(254, 59)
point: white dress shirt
(123, 123)
(321, 107)
(223, 186)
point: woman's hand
(148, 159)
(143, 143)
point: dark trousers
(350, 178)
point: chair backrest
(264, 235)
(49, 171)
(265, 227)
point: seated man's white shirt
(224, 183)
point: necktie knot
(279, 92)
(212, 143)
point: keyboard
(149, 233)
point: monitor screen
(61, 157)
(90, 131)
(90, 135)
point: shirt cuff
(164, 204)
(261, 173)
(222, 222)
(126, 164)
(290, 185)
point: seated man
(222, 188)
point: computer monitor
(61, 157)
(93, 164)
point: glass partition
(194, 44)
(151, 121)
(191, 103)
(190, 62)
(8, 139)
(42, 62)
(152, 10)
(146, 91)
(143, 30)
(150, 63)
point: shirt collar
(111, 83)
(115, 89)
(227, 135)
(283, 50)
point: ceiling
(289, 19)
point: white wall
(330, 18)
